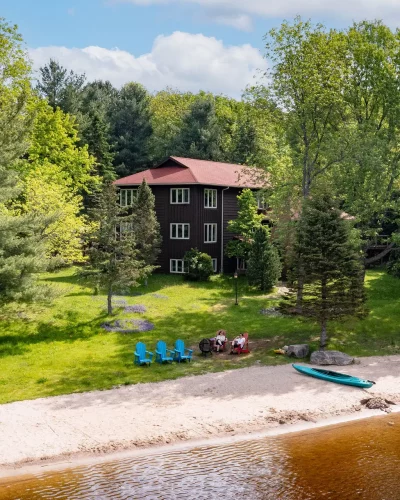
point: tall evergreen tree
(146, 226)
(330, 254)
(114, 259)
(131, 129)
(200, 135)
(96, 136)
(21, 239)
(61, 88)
(263, 266)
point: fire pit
(205, 346)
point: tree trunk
(380, 255)
(324, 296)
(300, 288)
(109, 300)
(324, 335)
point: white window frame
(215, 265)
(210, 198)
(177, 263)
(210, 230)
(241, 264)
(123, 197)
(125, 227)
(183, 190)
(177, 224)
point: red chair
(240, 350)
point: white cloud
(239, 21)
(388, 10)
(181, 60)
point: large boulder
(331, 358)
(297, 351)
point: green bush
(393, 267)
(198, 265)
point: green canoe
(339, 378)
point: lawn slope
(62, 348)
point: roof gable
(178, 170)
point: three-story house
(194, 201)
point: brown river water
(356, 460)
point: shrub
(198, 265)
(393, 267)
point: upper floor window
(210, 233)
(180, 196)
(210, 198)
(126, 197)
(180, 231)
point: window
(210, 198)
(180, 196)
(125, 227)
(215, 265)
(126, 197)
(180, 231)
(210, 233)
(176, 266)
(261, 203)
(241, 264)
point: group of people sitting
(220, 339)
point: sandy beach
(191, 408)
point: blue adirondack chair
(140, 355)
(180, 352)
(162, 353)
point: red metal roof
(191, 171)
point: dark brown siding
(196, 215)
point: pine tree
(200, 135)
(114, 259)
(331, 264)
(146, 226)
(263, 266)
(247, 221)
(21, 238)
(96, 135)
(60, 88)
(131, 129)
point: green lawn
(61, 349)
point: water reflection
(357, 460)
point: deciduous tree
(248, 220)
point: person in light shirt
(238, 341)
(220, 338)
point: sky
(212, 45)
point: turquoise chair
(180, 352)
(140, 355)
(161, 353)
